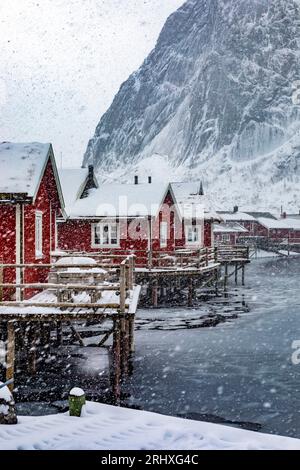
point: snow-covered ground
(105, 427)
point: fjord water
(239, 372)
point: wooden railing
(124, 269)
(227, 253)
(185, 258)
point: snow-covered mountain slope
(216, 97)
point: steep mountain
(217, 98)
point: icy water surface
(237, 372)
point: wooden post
(191, 292)
(155, 293)
(116, 350)
(122, 287)
(1, 282)
(32, 345)
(131, 334)
(10, 354)
(243, 275)
(236, 274)
(225, 278)
(216, 282)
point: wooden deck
(115, 301)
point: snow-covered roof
(22, 166)
(288, 223)
(190, 203)
(72, 182)
(237, 216)
(123, 200)
(230, 227)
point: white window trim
(105, 245)
(39, 253)
(197, 243)
(226, 237)
(163, 225)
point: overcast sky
(62, 61)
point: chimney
(149, 179)
(201, 190)
(136, 179)
(90, 182)
(235, 209)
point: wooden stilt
(124, 352)
(155, 293)
(116, 351)
(191, 292)
(225, 278)
(10, 354)
(131, 335)
(236, 274)
(32, 345)
(243, 275)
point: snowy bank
(105, 427)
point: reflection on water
(239, 371)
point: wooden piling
(116, 353)
(225, 278)
(10, 353)
(131, 335)
(155, 293)
(191, 292)
(243, 275)
(236, 274)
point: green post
(76, 401)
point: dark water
(239, 371)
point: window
(226, 238)
(38, 234)
(105, 234)
(192, 234)
(163, 234)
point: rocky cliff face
(215, 97)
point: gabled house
(229, 233)
(30, 201)
(140, 218)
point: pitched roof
(22, 165)
(123, 200)
(192, 204)
(229, 227)
(288, 223)
(72, 182)
(237, 216)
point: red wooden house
(286, 230)
(229, 233)
(30, 200)
(140, 218)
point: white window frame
(38, 234)
(163, 234)
(199, 230)
(101, 244)
(226, 237)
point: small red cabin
(30, 200)
(229, 233)
(139, 218)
